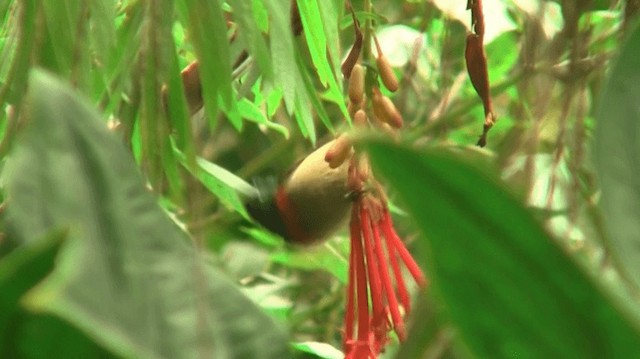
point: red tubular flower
(375, 245)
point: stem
(366, 49)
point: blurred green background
(122, 229)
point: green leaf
(156, 52)
(510, 289)
(319, 350)
(305, 83)
(331, 11)
(118, 69)
(303, 114)
(208, 32)
(129, 277)
(261, 15)
(63, 20)
(225, 185)
(102, 29)
(316, 39)
(249, 111)
(617, 158)
(332, 257)
(20, 271)
(314, 31)
(282, 49)
(249, 33)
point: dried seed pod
(476, 60)
(360, 118)
(356, 84)
(354, 53)
(352, 58)
(385, 70)
(339, 152)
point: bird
(310, 204)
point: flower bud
(339, 152)
(385, 110)
(364, 169)
(360, 118)
(387, 75)
(356, 84)
(385, 70)
(394, 118)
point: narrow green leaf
(228, 178)
(157, 44)
(118, 69)
(225, 185)
(305, 84)
(249, 111)
(332, 257)
(60, 44)
(303, 114)
(510, 289)
(208, 33)
(617, 158)
(282, 49)
(129, 277)
(314, 31)
(261, 15)
(331, 11)
(102, 29)
(177, 105)
(316, 39)
(319, 350)
(249, 33)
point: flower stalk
(377, 295)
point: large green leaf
(617, 154)
(20, 329)
(128, 277)
(20, 271)
(512, 291)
